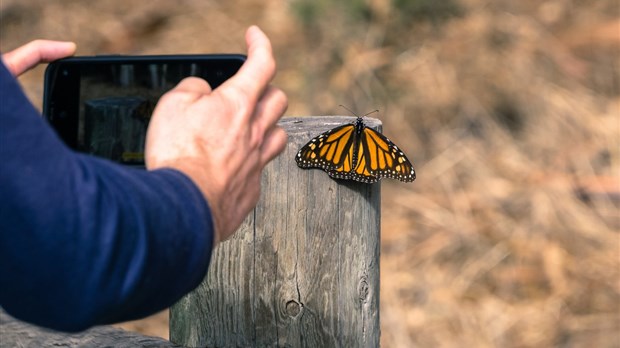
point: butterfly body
(355, 152)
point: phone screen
(103, 106)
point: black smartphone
(101, 105)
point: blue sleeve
(84, 241)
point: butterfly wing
(366, 157)
(353, 166)
(381, 158)
(329, 150)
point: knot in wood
(293, 308)
(363, 290)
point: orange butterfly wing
(356, 152)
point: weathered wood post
(303, 269)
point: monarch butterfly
(356, 152)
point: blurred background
(510, 111)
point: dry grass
(510, 111)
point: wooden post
(303, 269)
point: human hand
(26, 57)
(222, 139)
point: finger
(270, 108)
(257, 71)
(189, 90)
(274, 144)
(193, 85)
(31, 54)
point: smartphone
(102, 105)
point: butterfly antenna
(354, 114)
(349, 110)
(372, 112)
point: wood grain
(302, 271)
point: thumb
(31, 54)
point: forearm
(104, 246)
(84, 241)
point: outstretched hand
(222, 139)
(26, 57)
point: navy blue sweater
(84, 241)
